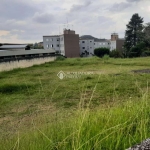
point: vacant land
(106, 110)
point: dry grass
(6, 66)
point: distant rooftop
(51, 35)
(86, 37)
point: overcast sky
(27, 21)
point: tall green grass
(110, 128)
(109, 110)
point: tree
(133, 34)
(100, 52)
(35, 46)
(146, 37)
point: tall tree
(133, 33)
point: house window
(90, 47)
(58, 39)
(94, 43)
(57, 45)
(47, 40)
(103, 43)
(52, 45)
(83, 41)
(47, 45)
(51, 39)
(83, 47)
(90, 41)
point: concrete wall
(5, 66)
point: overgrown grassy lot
(107, 110)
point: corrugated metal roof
(12, 46)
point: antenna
(59, 29)
(64, 26)
(67, 22)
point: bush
(116, 54)
(137, 50)
(100, 52)
(60, 58)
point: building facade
(70, 45)
(51, 42)
(88, 43)
(116, 42)
(66, 44)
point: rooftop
(51, 35)
(12, 46)
(89, 37)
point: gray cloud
(133, 0)
(16, 9)
(43, 18)
(30, 20)
(103, 19)
(117, 7)
(80, 7)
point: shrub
(100, 52)
(115, 53)
(60, 58)
(13, 88)
(137, 50)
